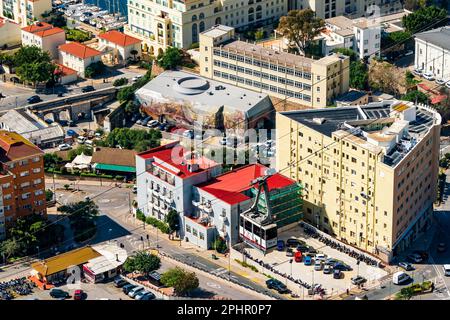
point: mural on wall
(185, 113)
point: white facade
(24, 12)
(432, 53)
(163, 23)
(120, 53)
(48, 39)
(75, 57)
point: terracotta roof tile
(79, 50)
(119, 38)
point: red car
(298, 256)
(78, 295)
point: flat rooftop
(217, 31)
(202, 93)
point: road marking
(213, 285)
(219, 271)
(438, 272)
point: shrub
(246, 265)
(94, 69)
(120, 82)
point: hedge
(162, 226)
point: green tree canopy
(126, 94)
(82, 216)
(173, 220)
(9, 248)
(300, 27)
(220, 245)
(182, 281)
(359, 76)
(170, 59)
(426, 18)
(142, 262)
(33, 64)
(79, 150)
(133, 139)
(415, 96)
(347, 52)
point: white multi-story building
(77, 56)
(361, 35)
(433, 52)
(165, 176)
(163, 23)
(24, 12)
(325, 9)
(119, 45)
(44, 36)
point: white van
(446, 268)
(81, 140)
(400, 277)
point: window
(36, 170)
(24, 173)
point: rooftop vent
(319, 120)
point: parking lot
(306, 273)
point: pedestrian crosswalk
(219, 271)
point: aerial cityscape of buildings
(198, 139)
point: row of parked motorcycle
(16, 287)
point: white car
(417, 72)
(64, 146)
(400, 278)
(440, 81)
(152, 123)
(428, 76)
(136, 78)
(448, 84)
(446, 268)
(320, 257)
(135, 291)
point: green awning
(113, 167)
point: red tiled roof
(229, 187)
(13, 147)
(438, 99)
(172, 160)
(119, 38)
(38, 26)
(63, 70)
(79, 50)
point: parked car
(188, 134)
(152, 123)
(446, 269)
(292, 242)
(119, 283)
(289, 252)
(405, 265)
(428, 75)
(78, 295)
(64, 123)
(87, 89)
(414, 257)
(277, 285)
(440, 81)
(320, 257)
(169, 127)
(136, 78)
(48, 121)
(342, 266)
(318, 265)
(34, 99)
(298, 256)
(400, 278)
(71, 132)
(337, 274)
(280, 245)
(302, 248)
(141, 294)
(145, 121)
(307, 261)
(133, 292)
(331, 261)
(357, 280)
(64, 146)
(441, 247)
(327, 269)
(81, 140)
(127, 288)
(417, 72)
(447, 84)
(148, 296)
(422, 254)
(58, 293)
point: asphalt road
(114, 208)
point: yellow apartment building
(311, 83)
(369, 172)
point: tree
(173, 220)
(259, 34)
(125, 94)
(9, 248)
(170, 59)
(347, 52)
(300, 27)
(82, 216)
(48, 195)
(220, 245)
(426, 18)
(51, 160)
(384, 76)
(134, 52)
(415, 96)
(79, 150)
(33, 64)
(142, 262)
(120, 82)
(182, 281)
(133, 139)
(358, 75)
(131, 107)
(94, 69)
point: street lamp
(37, 247)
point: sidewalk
(77, 181)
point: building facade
(432, 52)
(165, 184)
(9, 33)
(78, 57)
(22, 180)
(325, 9)
(120, 46)
(163, 23)
(369, 172)
(24, 12)
(44, 36)
(311, 83)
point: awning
(114, 167)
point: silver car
(135, 291)
(141, 294)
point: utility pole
(229, 259)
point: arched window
(251, 10)
(258, 8)
(258, 12)
(160, 26)
(194, 17)
(218, 20)
(251, 16)
(250, 2)
(194, 33)
(201, 26)
(201, 15)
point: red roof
(119, 38)
(79, 50)
(63, 70)
(42, 29)
(438, 99)
(229, 187)
(174, 160)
